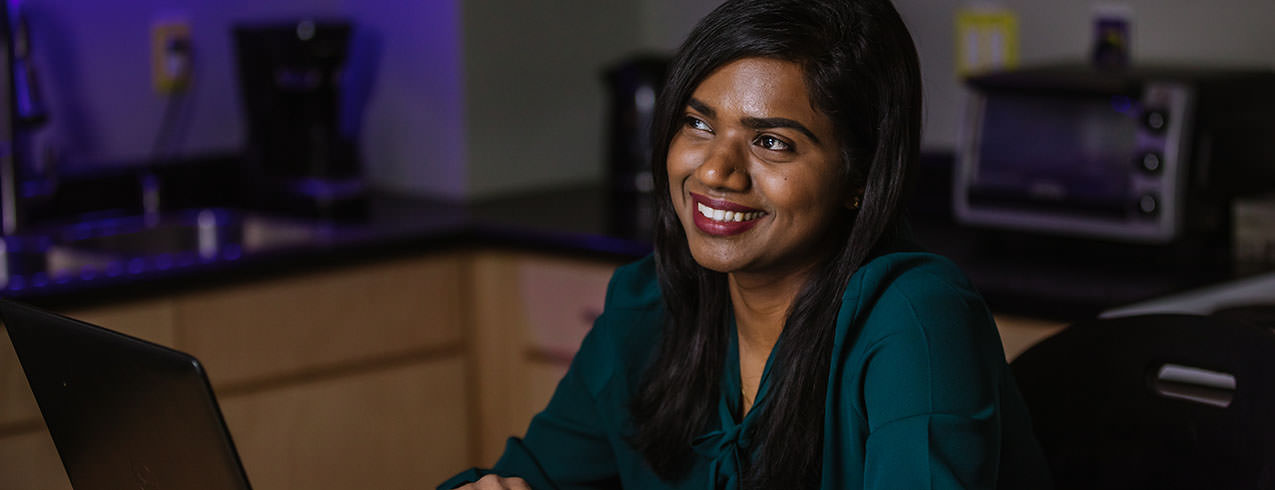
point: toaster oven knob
(1155, 120)
(1148, 204)
(1151, 162)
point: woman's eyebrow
(756, 123)
(701, 107)
(778, 122)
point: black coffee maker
(633, 85)
(292, 78)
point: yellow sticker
(986, 39)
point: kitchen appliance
(292, 79)
(633, 85)
(1144, 155)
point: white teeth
(723, 215)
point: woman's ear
(855, 201)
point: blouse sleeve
(566, 446)
(930, 391)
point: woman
(785, 333)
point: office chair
(1154, 402)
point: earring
(856, 201)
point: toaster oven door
(1102, 165)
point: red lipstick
(724, 213)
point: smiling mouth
(725, 216)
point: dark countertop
(577, 222)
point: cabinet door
(530, 314)
(318, 322)
(29, 461)
(1020, 333)
(401, 427)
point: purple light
(164, 262)
(136, 266)
(232, 252)
(115, 268)
(39, 280)
(1121, 104)
(17, 283)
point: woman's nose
(725, 167)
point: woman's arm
(931, 390)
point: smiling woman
(786, 333)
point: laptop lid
(122, 412)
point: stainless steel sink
(136, 244)
(203, 232)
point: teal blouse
(919, 395)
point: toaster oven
(1140, 155)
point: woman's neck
(761, 304)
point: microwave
(1141, 155)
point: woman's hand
(493, 482)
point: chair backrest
(1155, 402)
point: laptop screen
(122, 412)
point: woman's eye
(695, 123)
(772, 143)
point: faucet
(149, 184)
(22, 175)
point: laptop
(123, 412)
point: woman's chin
(724, 261)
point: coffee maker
(633, 85)
(301, 157)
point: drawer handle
(1195, 384)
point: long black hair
(861, 69)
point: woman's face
(754, 170)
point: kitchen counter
(573, 222)
(565, 221)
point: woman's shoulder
(914, 291)
(628, 330)
(635, 285)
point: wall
(1216, 32)
(534, 92)
(93, 59)
(468, 99)
(414, 133)
(475, 98)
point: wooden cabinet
(1018, 333)
(400, 427)
(530, 314)
(393, 374)
(351, 377)
(28, 461)
(315, 322)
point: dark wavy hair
(861, 69)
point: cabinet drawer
(404, 427)
(29, 461)
(561, 300)
(1020, 333)
(323, 320)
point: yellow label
(171, 56)
(986, 39)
